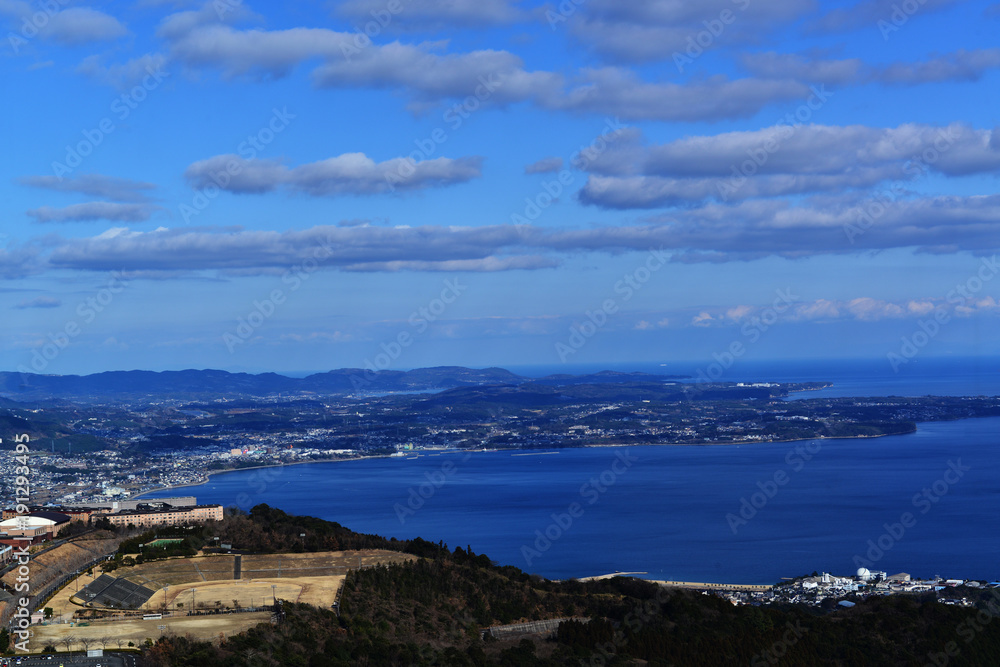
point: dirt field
(179, 571)
(317, 564)
(204, 628)
(318, 591)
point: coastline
(679, 573)
(514, 450)
(208, 476)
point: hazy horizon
(757, 367)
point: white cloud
(429, 75)
(347, 174)
(431, 14)
(620, 92)
(647, 30)
(71, 26)
(94, 211)
(127, 74)
(960, 65)
(546, 165)
(345, 248)
(867, 14)
(781, 160)
(97, 185)
(703, 319)
(868, 309)
(737, 313)
(39, 302)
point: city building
(166, 516)
(38, 525)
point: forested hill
(192, 383)
(431, 612)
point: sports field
(207, 583)
(317, 591)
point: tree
(48, 612)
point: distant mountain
(203, 383)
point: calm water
(662, 510)
(964, 376)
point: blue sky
(263, 186)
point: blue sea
(924, 503)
